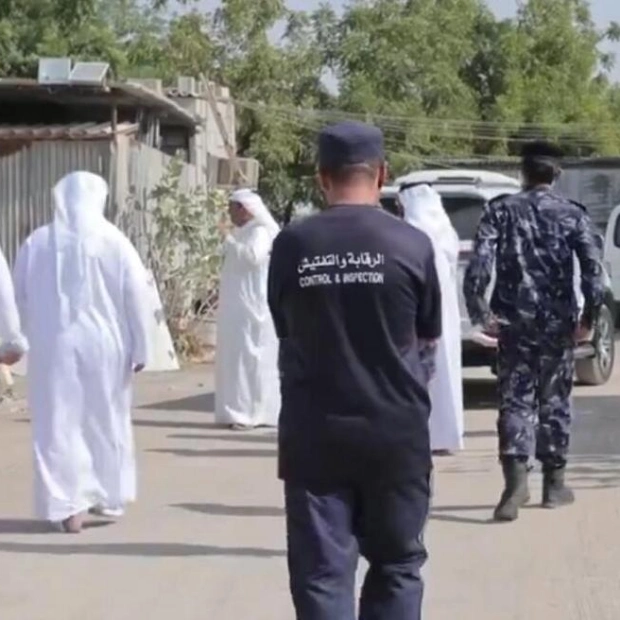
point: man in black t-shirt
(356, 305)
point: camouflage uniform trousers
(535, 380)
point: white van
(612, 252)
(464, 194)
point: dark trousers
(328, 528)
(535, 380)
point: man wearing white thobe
(247, 381)
(13, 344)
(424, 210)
(80, 289)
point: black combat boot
(516, 493)
(555, 491)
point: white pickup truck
(464, 194)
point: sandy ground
(206, 539)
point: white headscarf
(254, 204)
(80, 203)
(424, 210)
(78, 221)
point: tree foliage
(441, 77)
(180, 229)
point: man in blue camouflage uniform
(532, 238)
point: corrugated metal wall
(27, 178)
(144, 168)
(596, 188)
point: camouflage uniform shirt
(531, 239)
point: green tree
(441, 77)
(556, 76)
(404, 58)
(84, 29)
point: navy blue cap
(348, 144)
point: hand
(10, 358)
(491, 328)
(224, 227)
(583, 334)
(138, 368)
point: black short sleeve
(428, 323)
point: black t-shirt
(352, 291)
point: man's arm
(480, 269)
(136, 296)
(14, 343)
(428, 322)
(592, 285)
(279, 268)
(255, 250)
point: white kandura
(246, 363)
(424, 210)
(80, 288)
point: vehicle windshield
(464, 212)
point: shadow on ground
(200, 403)
(175, 424)
(231, 453)
(224, 510)
(236, 437)
(450, 514)
(24, 526)
(31, 526)
(159, 550)
(480, 394)
(595, 443)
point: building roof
(128, 94)
(73, 131)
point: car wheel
(598, 369)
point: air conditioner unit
(186, 85)
(54, 70)
(249, 170)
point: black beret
(350, 143)
(543, 152)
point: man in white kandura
(424, 210)
(13, 344)
(246, 369)
(80, 288)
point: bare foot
(73, 525)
